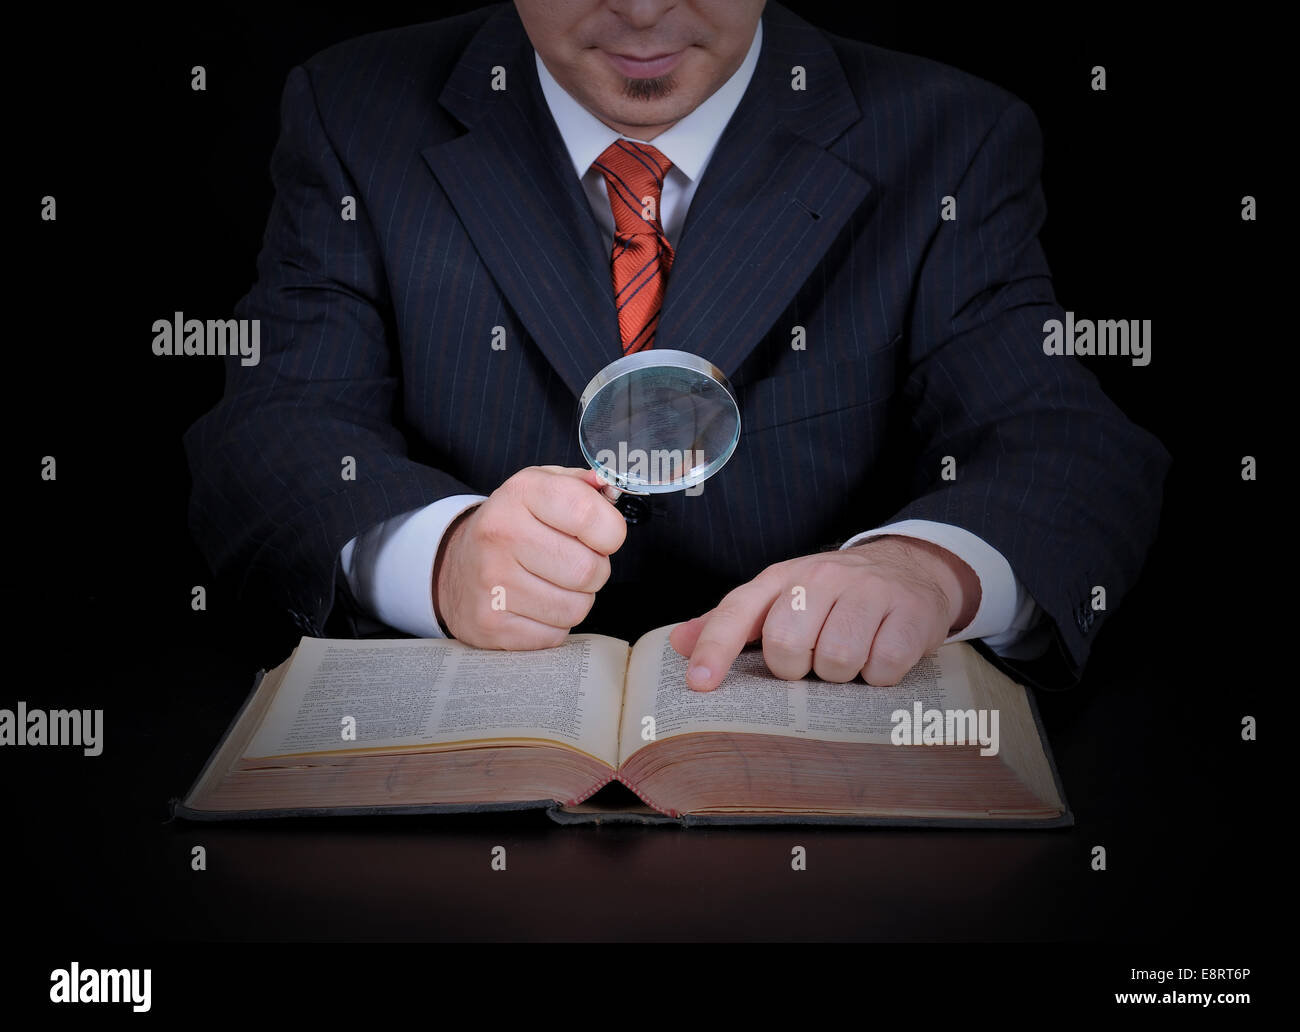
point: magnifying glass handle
(634, 508)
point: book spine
(665, 810)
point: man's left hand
(875, 609)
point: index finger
(580, 472)
(575, 505)
(736, 620)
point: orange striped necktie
(634, 175)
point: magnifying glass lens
(658, 421)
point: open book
(429, 725)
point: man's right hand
(522, 568)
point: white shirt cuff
(389, 567)
(1007, 614)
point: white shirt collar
(688, 144)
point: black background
(162, 198)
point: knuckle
(520, 483)
(837, 656)
(777, 572)
(833, 671)
(822, 568)
(618, 528)
(522, 634)
(584, 511)
(552, 638)
(710, 643)
(576, 609)
(490, 527)
(925, 614)
(784, 638)
(785, 667)
(892, 654)
(911, 635)
(586, 568)
(875, 583)
(732, 605)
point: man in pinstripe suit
(539, 188)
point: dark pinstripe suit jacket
(820, 208)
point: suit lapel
(770, 204)
(512, 185)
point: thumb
(583, 473)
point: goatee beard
(649, 89)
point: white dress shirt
(389, 567)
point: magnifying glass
(654, 422)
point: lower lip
(652, 69)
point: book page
(751, 699)
(414, 692)
(1023, 749)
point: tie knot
(634, 174)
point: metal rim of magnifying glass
(640, 360)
